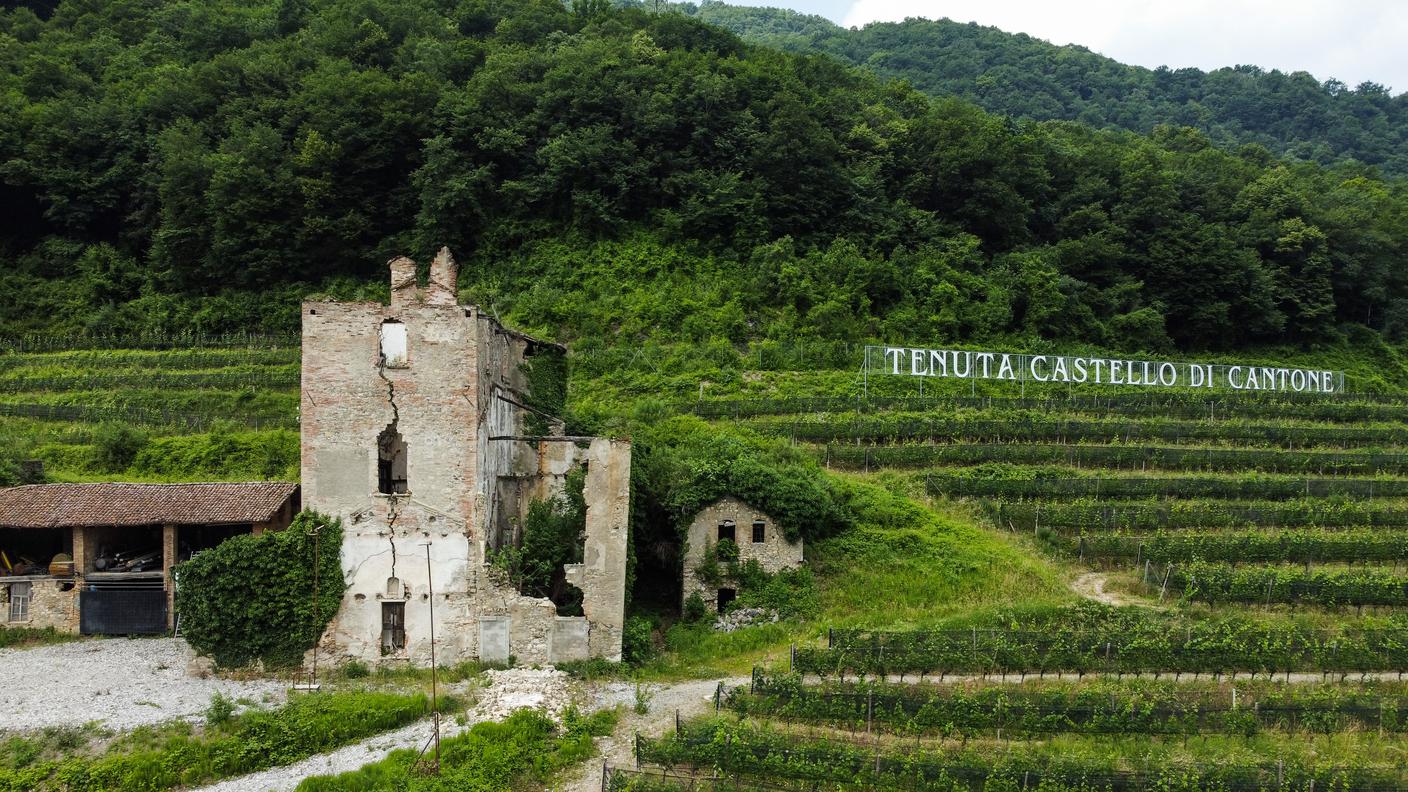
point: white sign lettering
(964, 364)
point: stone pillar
(444, 278)
(81, 561)
(403, 282)
(602, 574)
(168, 560)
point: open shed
(96, 558)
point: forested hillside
(1310, 117)
(611, 175)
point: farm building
(756, 536)
(429, 428)
(96, 558)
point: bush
(694, 608)
(355, 669)
(248, 598)
(220, 711)
(637, 642)
(117, 446)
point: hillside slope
(612, 175)
(1024, 77)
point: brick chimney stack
(403, 281)
(444, 276)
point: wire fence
(1128, 457)
(1169, 487)
(144, 416)
(1026, 429)
(955, 711)
(779, 757)
(1326, 407)
(49, 342)
(156, 380)
(1150, 516)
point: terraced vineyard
(1260, 538)
(787, 733)
(177, 409)
(1216, 498)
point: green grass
(24, 637)
(177, 754)
(525, 751)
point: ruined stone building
(757, 537)
(428, 427)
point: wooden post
(168, 560)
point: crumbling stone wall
(773, 554)
(457, 403)
(52, 603)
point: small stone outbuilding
(757, 535)
(97, 559)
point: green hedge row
(1128, 707)
(1090, 639)
(281, 378)
(1305, 546)
(1350, 408)
(748, 752)
(1132, 457)
(1035, 428)
(1231, 488)
(1090, 515)
(1213, 582)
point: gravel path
(690, 699)
(119, 682)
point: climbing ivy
(546, 372)
(251, 598)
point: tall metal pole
(434, 688)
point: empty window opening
(391, 462)
(393, 627)
(759, 531)
(726, 530)
(19, 602)
(726, 596)
(393, 344)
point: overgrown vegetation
(521, 752)
(177, 754)
(554, 531)
(249, 599)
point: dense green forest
(1024, 77)
(617, 175)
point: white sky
(1351, 40)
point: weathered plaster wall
(773, 554)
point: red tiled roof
(75, 505)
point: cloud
(1352, 40)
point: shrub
(220, 711)
(637, 643)
(248, 598)
(355, 669)
(694, 608)
(117, 446)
